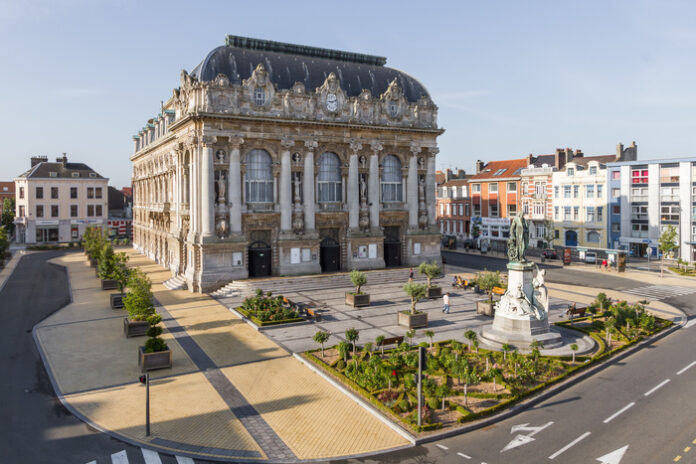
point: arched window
(259, 178)
(593, 236)
(329, 179)
(391, 179)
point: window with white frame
(259, 177)
(600, 190)
(476, 188)
(615, 192)
(589, 191)
(477, 209)
(555, 191)
(511, 187)
(329, 183)
(570, 171)
(593, 170)
(639, 212)
(616, 175)
(576, 213)
(600, 213)
(449, 209)
(525, 208)
(669, 174)
(461, 209)
(590, 214)
(639, 230)
(639, 176)
(566, 213)
(669, 193)
(391, 179)
(566, 191)
(669, 213)
(693, 232)
(466, 210)
(511, 210)
(493, 187)
(442, 209)
(639, 194)
(555, 212)
(540, 188)
(493, 209)
(538, 209)
(616, 227)
(576, 191)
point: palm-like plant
(470, 336)
(416, 292)
(495, 373)
(490, 359)
(430, 334)
(321, 337)
(458, 369)
(470, 377)
(380, 342)
(352, 335)
(609, 324)
(344, 349)
(574, 347)
(505, 349)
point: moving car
(590, 257)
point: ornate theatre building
(280, 159)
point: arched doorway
(329, 255)
(392, 247)
(571, 238)
(259, 259)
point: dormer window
(52, 174)
(92, 174)
(259, 96)
(570, 171)
(76, 174)
(593, 170)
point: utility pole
(145, 379)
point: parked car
(590, 257)
(549, 253)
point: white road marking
(521, 439)
(614, 457)
(151, 457)
(441, 446)
(570, 445)
(119, 458)
(651, 391)
(690, 365)
(464, 455)
(617, 413)
(184, 460)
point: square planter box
(434, 292)
(117, 300)
(152, 361)
(357, 300)
(109, 284)
(135, 328)
(412, 321)
(485, 308)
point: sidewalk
(232, 394)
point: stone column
(353, 187)
(412, 187)
(308, 184)
(235, 186)
(373, 187)
(207, 189)
(285, 193)
(430, 186)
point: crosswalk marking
(660, 292)
(151, 457)
(119, 458)
(183, 460)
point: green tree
(380, 342)
(107, 263)
(358, 278)
(549, 233)
(497, 375)
(4, 243)
(609, 325)
(344, 349)
(410, 334)
(470, 336)
(8, 215)
(416, 292)
(505, 348)
(430, 334)
(469, 377)
(574, 347)
(667, 244)
(487, 280)
(431, 271)
(458, 369)
(490, 359)
(121, 271)
(321, 337)
(154, 343)
(352, 336)
(138, 300)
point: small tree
(107, 263)
(489, 360)
(574, 347)
(358, 278)
(344, 349)
(410, 334)
(321, 337)
(380, 342)
(667, 243)
(470, 336)
(352, 336)
(4, 243)
(505, 348)
(609, 324)
(430, 270)
(8, 215)
(495, 374)
(138, 300)
(470, 376)
(416, 292)
(487, 280)
(121, 271)
(430, 334)
(155, 343)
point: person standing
(445, 301)
(410, 275)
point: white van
(590, 257)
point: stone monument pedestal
(520, 318)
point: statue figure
(296, 184)
(519, 239)
(421, 190)
(539, 284)
(221, 187)
(363, 189)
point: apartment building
(453, 203)
(57, 201)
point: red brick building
(453, 203)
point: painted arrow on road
(522, 439)
(614, 457)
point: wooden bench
(498, 291)
(392, 341)
(574, 310)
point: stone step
(175, 283)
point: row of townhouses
(609, 201)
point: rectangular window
(90, 210)
(493, 209)
(669, 174)
(576, 191)
(669, 193)
(576, 213)
(540, 189)
(73, 192)
(639, 212)
(54, 210)
(600, 213)
(566, 213)
(555, 212)
(73, 210)
(493, 187)
(511, 187)
(616, 227)
(461, 209)
(669, 213)
(615, 175)
(39, 192)
(639, 194)
(476, 188)
(639, 176)
(615, 192)
(39, 211)
(600, 190)
(570, 171)
(442, 209)
(512, 210)
(477, 210)
(538, 209)
(589, 191)
(467, 210)
(21, 193)
(22, 211)
(54, 192)
(593, 170)
(616, 209)
(590, 214)
(639, 230)
(566, 191)
(98, 212)
(555, 191)
(90, 192)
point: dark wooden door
(330, 255)
(259, 259)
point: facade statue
(363, 189)
(296, 184)
(542, 294)
(519, 239)
(221, 187)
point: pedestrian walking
(604, 264)
(410, 275)
(445, 301)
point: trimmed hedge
(261, 323)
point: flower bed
(266, 309)
(462, 384)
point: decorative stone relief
(393, 101)
(259, 90)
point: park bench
(392, 341)
(498, 290)
(575, 310)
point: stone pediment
(393, 101)
(259, 89)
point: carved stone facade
(244, 176)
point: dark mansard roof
(288, 63)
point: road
(35, 428)
(636, 410)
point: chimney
(479, 166)
(62, 159)
(627, 154)
(530, 159)
(579, 153)
(461, 174)
(448, 175)
(560, 158)
(38, 159)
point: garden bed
(264, 310)
(473, 383)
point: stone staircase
(236, 288)
(175, 283)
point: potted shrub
(357, 298)
(431, 271)
(487, 281)
(414, 319)
(120, 274)
(138, 303)
(155, 354)
(107, 267)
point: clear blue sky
(510, 78)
